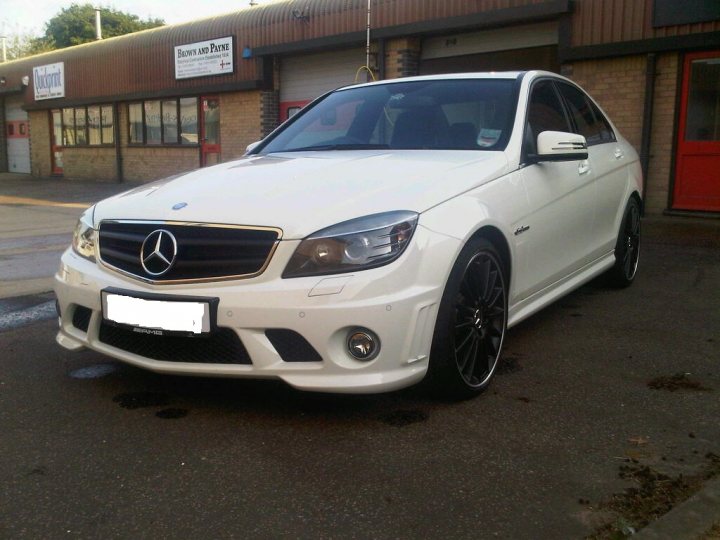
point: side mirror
(559, 146)
(251, 147)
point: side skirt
(522, 310)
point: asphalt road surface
(91, 448)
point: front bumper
(398, 302)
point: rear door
(607, 160)
(554, 240)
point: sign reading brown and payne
(211, 57)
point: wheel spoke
(465, 341)
(470, 365)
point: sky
(19, 17)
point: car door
(608, 162)
(554, 239)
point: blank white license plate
(168, 315)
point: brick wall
(90, 163)
(402, 58)
(241, 122)
(618, 85)
(39, 143)
(270, 111)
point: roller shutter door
(305, 77)
(525, 47)
(17, 131)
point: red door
(697, 176)
(56, 142)
(209, 130)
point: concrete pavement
(37, 217)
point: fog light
(363, 344)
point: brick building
(171, 99)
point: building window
(93, 125)
(135, 118)
(153, 134)
(80, 126)
(88, 126)
(164, 122)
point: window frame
(524, 151)
(178, 123)
(86, 144)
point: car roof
(506, 75)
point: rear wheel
(627, 247)
(471, 324)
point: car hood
(304, 192)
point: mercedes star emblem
(158, 252)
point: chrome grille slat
(205, 252)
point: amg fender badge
(522, 229)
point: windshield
(460, 114)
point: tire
(627, 247)
(471, 324)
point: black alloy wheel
(471, 325)
(627, 248)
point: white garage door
(17, 131)
(305, 77)
(500, 39)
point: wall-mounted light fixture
(247, 53)
(25, 80)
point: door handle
(619, 154)
(584, 167)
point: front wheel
(471, 323)
(627, 247)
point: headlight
(85, 236)
(358, 244)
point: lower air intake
(291, 346)
(221, 347)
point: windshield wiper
(348, 146)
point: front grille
(203, 252)
(221, 347)
(81, 318)
(291, 346)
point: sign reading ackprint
(212, 57)
(49, 81)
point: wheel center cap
(478, 319)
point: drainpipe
(118, 145)
(650, 74)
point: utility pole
(3, 37)
(98, 27)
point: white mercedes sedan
(389, 233)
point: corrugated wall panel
(143, 62)
(610, 21)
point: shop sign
(212, 57)
(49, 81)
